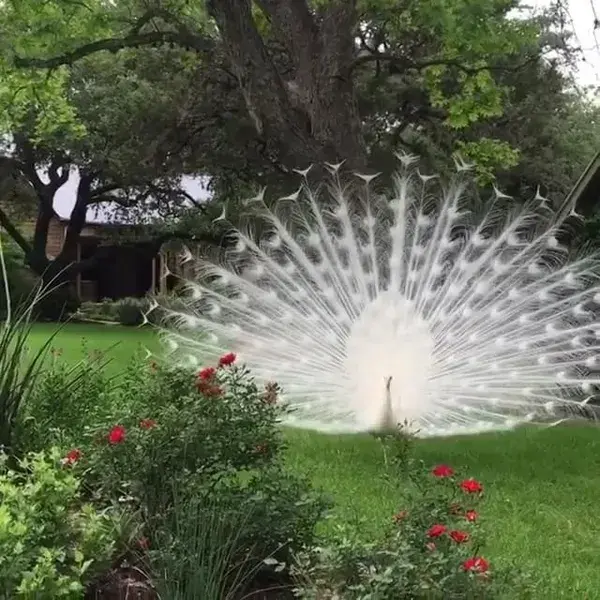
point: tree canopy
(309, 73)
(139, 111)
(134, 94)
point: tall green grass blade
(19, 370)
(203, 554)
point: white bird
(478, 319)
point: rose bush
(65, 399)
(432, 549)
(177, 450)
(212, 436)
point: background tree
(139, 111)
(283, 84)
(302, 68)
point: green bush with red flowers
(164, 438)
(433, 548)
(68, 398)
(214, 436)
(206, 428)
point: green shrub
(51, 543)
(217, 437)
(107, 310)
(66, 399)
(87, 310)
(157, 438)
(432, 549)
(69, 399)
(130, 311)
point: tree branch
(175, 193)
(58, 179)
(405, 64)
(197, 204)
(14, 233)
(102, 191)
(107, 199)
(7, 183)
(134, 40)
(77, 217)
(44, 192)
(203, 238)
(28, 165)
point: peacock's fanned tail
(478, 313)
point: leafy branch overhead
(303, 69)
(141, 129)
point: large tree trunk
(311, 115)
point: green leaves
(489, 156)
(443, 33)
(38, 30)
(34, 33)
(456, 44)
(436, 70)
(51, 543)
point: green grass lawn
(76, 338)
(542, 486)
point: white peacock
(372, 309)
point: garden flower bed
(160, 469)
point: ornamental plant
(433, 548)
(65, 399)
(20, 368)
(203, 552)
(213, 435)
(52, 543)
(206, 427)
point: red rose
(459, 536)
(227, 359)
(116, 435)
(72, 457)
(443, 471)
(400, 516)
(207, 374)
(477, 564)
(436, 530)
(471, 486)
(147, 423)
(471, 515)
